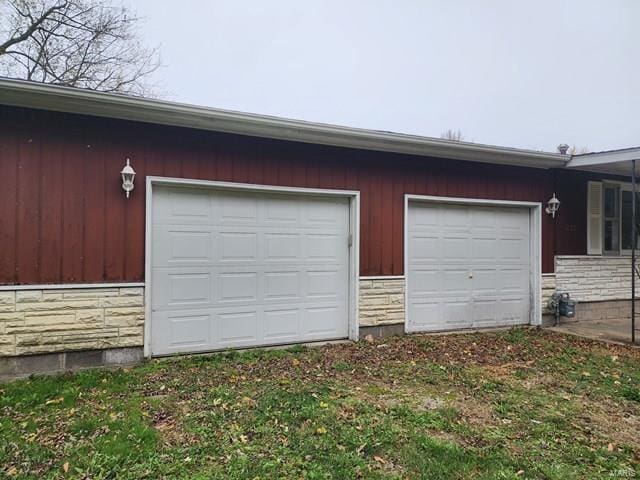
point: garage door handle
(470, 274)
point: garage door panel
(499, 312)
(182, 207)
(283, 246)
(186, 332)
(323, 246)
(181, 245)
(237, 208)
(457, 217)
(326, 283)
(283, 285)
(423, 248)
(238, 327)
(325, 212)
(238, 246)
(425, 316)
(324, 320)
(282, 324)
(467, 266)
(282, 211)
(454, 248)
(238, 287)
(513, 249)
(426, 281)
(514, 280)
(483, 248)
(268, 268)
(192, 287)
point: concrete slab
(612, 330)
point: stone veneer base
(42, 320)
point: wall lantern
(552, 206)
(128, 174)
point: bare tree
(454, 135)
(79, 43)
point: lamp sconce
(552, 206)
(128, 175)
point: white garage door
(236, 269)
(468, 266)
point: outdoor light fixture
(552, 206)
(128, 174)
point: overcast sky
(520, 73)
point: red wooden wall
(64, 217)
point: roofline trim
(26, 94)
(604, 158)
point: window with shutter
(610, 222)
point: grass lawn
(506, 405)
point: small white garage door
(237, 269)
(468, 266)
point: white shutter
(594, 218)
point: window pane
(626, 220)
(610, 202)
(611, 240)
(611, 219)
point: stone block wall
(594, 278)
(602, 311)
(381, 301)
(43, 321)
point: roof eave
(77, 101)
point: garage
(233, 268)
(470, 265)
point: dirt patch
(615, 422)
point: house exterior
(245, 230)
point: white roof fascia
(604, 158)
(85, 102)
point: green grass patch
(506, 405)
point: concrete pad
(613, 330)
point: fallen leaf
(54, 401)
(379, 459)
(324, 405)
(65, 467)
(321, 430)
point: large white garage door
(236, 269)
(468, 266)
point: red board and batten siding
(64, 217)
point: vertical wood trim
(51, 218)
(8, 205)
(28, 203)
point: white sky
(518, 73)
